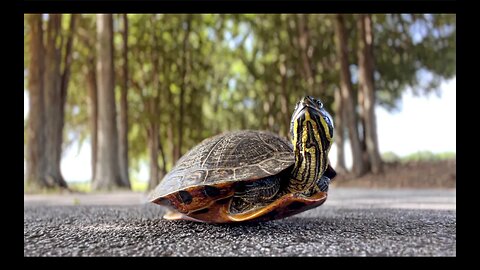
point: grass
(140, 186)
(33, 189)
(418, 156)
(137, 186)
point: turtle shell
(210, 171)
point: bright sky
(422, 124)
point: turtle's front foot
(323, 183)
(320, 186)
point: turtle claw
(173, 215)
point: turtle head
(311, 118)
(311, 131)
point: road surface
(353, 222)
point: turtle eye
(319, 103)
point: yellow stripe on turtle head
(314, 171)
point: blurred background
(112, 101)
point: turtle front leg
(261, 190)
(321, 185)
(250, 195)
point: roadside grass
(137, 186)
(391, 157)
(83, 187)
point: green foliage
(414, 51)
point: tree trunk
(284, 100)
(153, 146)
(93, 111)
(163, 169)
(346, 91)
(340, 132)
(361, 126)
(170, 129)
(366, 87)
(306, 52)
(53, 99)
(195, 116)
(107, 174)
(156, 173)
(123, 123)
(183, 88)
(272, 96)
(36, 136)
(268, 110)
(199, 116)
(91, 83)
(65, 77)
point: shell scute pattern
(229, 157)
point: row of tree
(149, 87)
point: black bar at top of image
(239, 6)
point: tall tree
(284, 99)
(367, 90)
(123, 123)
(107, 169)
(64, 83)
(340, 132)
(152, 104)
(153, 138)
(91, 80)
(88, 75)
(306, 52)
(53, 99)
(184, 84)
(347, 95)
(36, 133)
(58, 58)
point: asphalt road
(352, 222)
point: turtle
(251, 175)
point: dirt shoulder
(415, 174)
